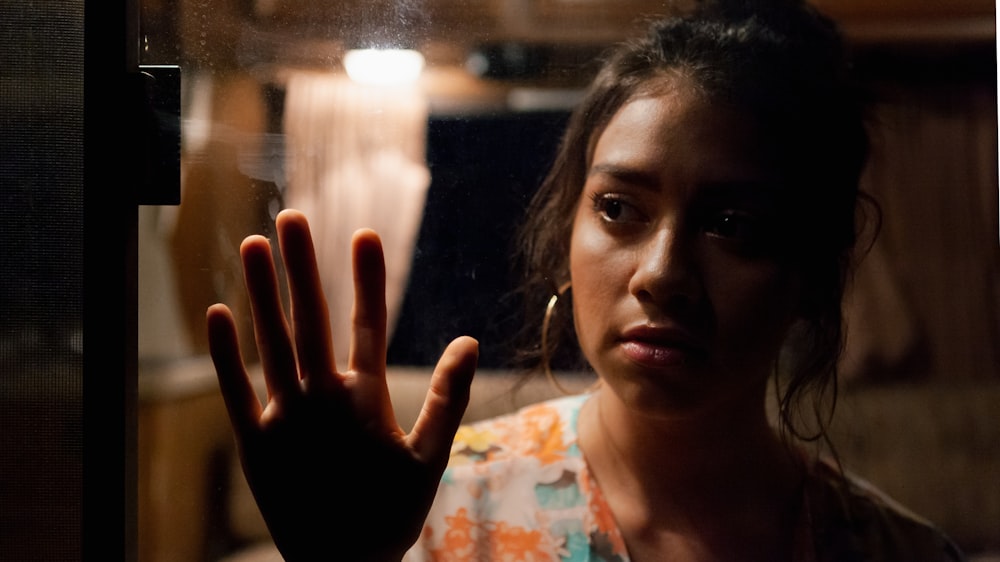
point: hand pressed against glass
(324, 457)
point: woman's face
(680, 298)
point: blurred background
(440, 152)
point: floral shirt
(517, 488)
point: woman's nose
(667, 271)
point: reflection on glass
(355, 158)
(384, 67)
(270, 120)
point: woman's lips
(661, 347)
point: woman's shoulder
(852, 519)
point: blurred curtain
(356, 157)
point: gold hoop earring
(546, 360)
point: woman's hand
(333, 474)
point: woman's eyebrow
(626, 174)
(741, 186)
(741, 191)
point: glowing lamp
(383, 66)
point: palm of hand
(318, 472)
(333, 474)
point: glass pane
(443, 166)
(270, 118)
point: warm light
(383, 66)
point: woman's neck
(717, 476)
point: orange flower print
(457, 545)
(543, 427)
(604, 524)
(515, 544)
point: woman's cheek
(755, 307)
(592, 279)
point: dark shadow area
(484, 170)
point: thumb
(446, 400)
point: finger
(270, 327)
(310, 314)
(446, 400)
(368, 318)
(237, 391)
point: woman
(701, 220)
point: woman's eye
(734, 225)
(614, 208)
